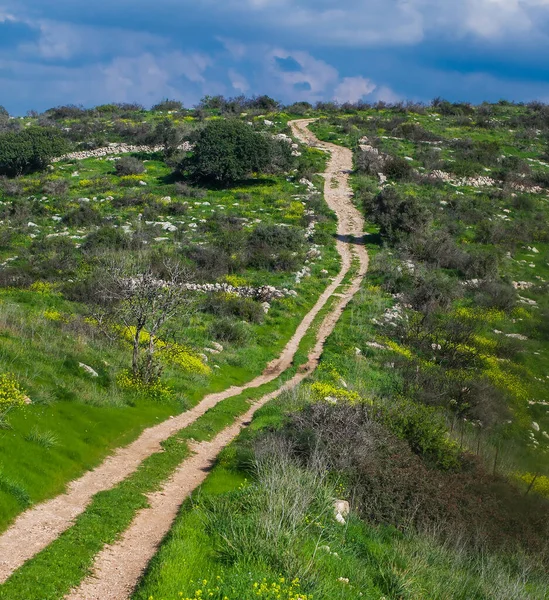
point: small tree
(227, 151)
(29, 150)
(143, 303)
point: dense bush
(274, 247)
(231, 305)
(188, 191)
(167, 105)
(83, 215)
(129, 165)
(229, 150)
(56, 187)
(29, 150)
(106, 238)
(397, 215)
(229, 330)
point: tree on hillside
(230, 150)
(29, 150)
(141, 302)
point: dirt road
(118, 567)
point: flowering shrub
(11, 393)
(130, 179)
(235, 280)
(42, 287)
(295, 211)
(503, 379)
(53, 315)
(541, 484)
(83, 183)
(176, 354)
(406, 352)
(487, 315)
(322, 390)
(276, 590)
(155, 390)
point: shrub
(229, 330)
(424, 429)
(129, 165)
(226, 151)
(167, 105)
(56, 187)
(211, 262)
(397, 215)
(108, 237)
(11, 393)
(231, 305)
(70, 111)
(188, 191)
(155, 390)
(29, 150)
(274, 247)
(495, 293)
(11, 187)
(83, 215)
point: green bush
(229, 330)
(228, 151)
(424, 430)
(128, 165)
(29, 150)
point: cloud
(61, 51)
(353, 89)
(238, 81)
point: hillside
(167, 273)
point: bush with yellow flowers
(176, 354)
(321, 391)
(11, 393)
(155, 390)
(276, 590)
(539, 484)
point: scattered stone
(88, 370)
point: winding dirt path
(118, 567)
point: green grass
(216, 540)
(111, 512)
(88, 417)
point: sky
(55, 52)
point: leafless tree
(141, 301)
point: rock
(535, 426)
(339, 518)
(88, 370)
(342, 507)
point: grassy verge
(111, 512)
(264, 527)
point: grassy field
(428, 413)
(57, 231)
(501, 223)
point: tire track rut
(118, 567)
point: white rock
(88, 370)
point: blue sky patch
(61, 52)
